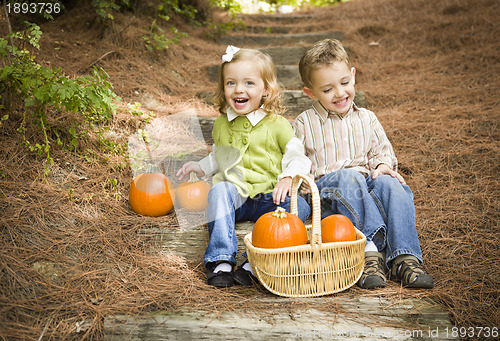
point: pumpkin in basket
(151, 194)
(193, 194)
(278, 229)
(337, 228)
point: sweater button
(246, 124)
(230, 139)
(245, 140)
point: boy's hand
(282, 189)
(304, 186)
(384, 169)
(189, 167)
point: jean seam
(379, 206)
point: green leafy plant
(105, 8)
(228, 5)
(218, 29)
(166, 8)
(45, 91)
(156, 39)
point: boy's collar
(324, 112)
(254, 117)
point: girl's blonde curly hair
(272, 103)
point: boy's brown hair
(323, 53)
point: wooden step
(281, 19)
(190, 239)
(285, 55)
(275, 18)
(296, 101)
(277, 39)
(339, 316)
(267, 29)
(331, 317)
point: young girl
(254, 157)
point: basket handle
(316, 209)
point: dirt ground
(430, 70)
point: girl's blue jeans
(225, 207)
(382, 208)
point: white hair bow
(230, 52)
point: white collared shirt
(254, 117)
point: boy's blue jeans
(375, 205)
(225, 207)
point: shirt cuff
(209, 164)
(294, 160)
(391, 163)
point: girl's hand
(189, 167)
(282, 189)
(384, 169)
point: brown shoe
(373, 275)
(410, 272)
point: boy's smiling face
(333, 86)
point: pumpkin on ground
(193, 194)
(151, 194)
(337, 228)
(278, 229)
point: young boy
(355, 169)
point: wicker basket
(310, 270)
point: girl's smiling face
(243, 86)
(333, 86)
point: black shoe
(220, 279)
(244, 277)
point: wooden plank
(190, 239)
(266, 29)
(285, 55)
(362, 318)
(277, 40)
(328, 317)
(282, 19)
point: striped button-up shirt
(332, 142)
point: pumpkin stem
(279, 213)
(193, 177)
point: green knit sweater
(250, 156)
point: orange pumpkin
(278, 229)
(193, 194)
(151, 194)
(337, 228)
